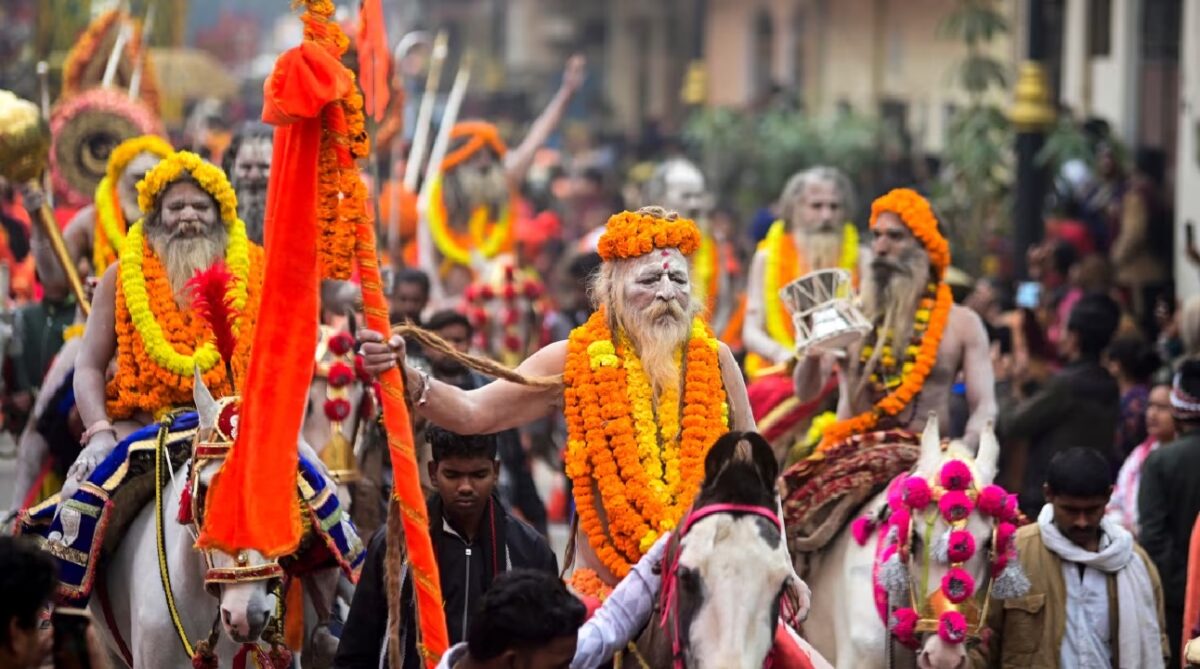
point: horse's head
(731, 566)
(241, 582)
(949, 548)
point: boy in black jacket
(474, 538)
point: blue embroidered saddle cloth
(94, 520)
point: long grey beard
(252, 209)
(184, 256)
(890, 307)
(467, 188)
(657, 337)
(824, 249)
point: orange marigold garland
(140, 384)
(630, 234)
(895, 401)
(914, 211)
(602, 440)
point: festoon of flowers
(631, 234)
(145, 312)
(110, 228)
(952, 496)
(785, 263)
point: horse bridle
(669, 616)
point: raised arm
(754, 330)
(518, 160)
(497, 406)
(76, 237)
(977, 371)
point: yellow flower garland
(110, 220)
(615, 446)
(784, 264)
(486, 241)
(705, 273)
(133, 283)
(133, 280)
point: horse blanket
(94, 520)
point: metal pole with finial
(114, 58)
(43, 72)
(135, 81)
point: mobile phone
(1029, 294)
(70, 638)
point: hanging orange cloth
(264, 456)
(371, 44)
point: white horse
(726, 577)
(845, 625)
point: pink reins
(669, 618)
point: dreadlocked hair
(483, 365)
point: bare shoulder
(725, 356)
(547, 361)
(966, 325)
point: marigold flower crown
(631, 234)
(131, 148)
(210, 177)
(916, 214)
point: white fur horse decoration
(944, 550)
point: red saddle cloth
(786, 653)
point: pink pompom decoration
(861, 529)
(895, 493)
(916, 493)
(958, 585)
(991, 500)
(955, 505)
(961, 546)
(901, 520)
(952, 627)
(999, 564)
(1004, 537)
(1009, 512)
(904, 626)
(955, 475)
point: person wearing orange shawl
(898, 375)
(813, 233)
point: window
(764, 49)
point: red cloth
(252, 503)
(786, 653)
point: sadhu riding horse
(138, 516)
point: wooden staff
(135, 80)
(45, 219)
(412, 170)
(43, 72)
(114, 58)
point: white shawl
(1138, 636)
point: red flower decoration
(952, 627)
(958, 585)
(532, 289)
(360, 370)
(955, 506)
(510, 292)
(512, 342)
(510, 316)
(486, 292)
(901, 520)
(955, 475)
(961, 546)
(1004, 537)
(337, 409)
(341, 343)
(341, 374)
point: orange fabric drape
(373, 58)
(264, 456)
(1191, 605)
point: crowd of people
(602, 350)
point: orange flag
(372, 46)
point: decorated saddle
(825, 489)
(92, 523)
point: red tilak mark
(666, 265)
(665, 254)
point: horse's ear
(721, 452)
(931, 445)
(764, 457)
(989, 455)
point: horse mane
(740, 469)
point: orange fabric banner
(373, 58)
(264, 457)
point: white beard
(824, 249)
(182, 257)
(657, 333)
(890, 303)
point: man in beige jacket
(1095, 598)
